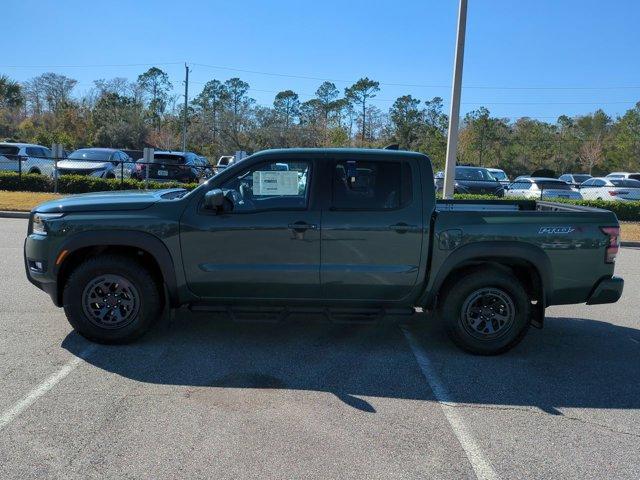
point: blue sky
(553, 46)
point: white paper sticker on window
(275, 183)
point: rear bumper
(608, 290)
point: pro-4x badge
(555, 230)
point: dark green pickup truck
(348, 232)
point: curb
(6, 214)
(630, 244)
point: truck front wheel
(111, 299)
(486, 311)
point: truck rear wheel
(111, 299)
(486, 311)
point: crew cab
(348, 232)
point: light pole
(186, 108)
(454, 114)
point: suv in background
(184, 167)
(574, 179)
(472, 180)
(96, 162)
(624, 175)
(25, 158)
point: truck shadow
(570, 363)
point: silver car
(97, 162)
(541, 188)
(25, 158)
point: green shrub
(30, 182)
(11, 181)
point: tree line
(223, 118)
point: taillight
(614, 243)
(613, 193)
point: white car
(624, 175)
(499, 175)
(541, 188)
(610, 189)
(25, 158)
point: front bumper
(35, 249)
(608, 290)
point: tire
(486, 311)
(35, 170)
(111, 299)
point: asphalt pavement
(203, 397)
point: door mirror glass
(213, 199)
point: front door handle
(302, 226)
(403, 227)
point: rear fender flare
(490, 251)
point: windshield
(498, 174)
(553, 185)
(477, 174)
(625, 183)
(166, 158)
(91, 155)
(579, 178)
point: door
(372, 230)
(265, 243)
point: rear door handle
(403, 227)
(302, 226)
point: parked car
(500, 175)
(362, 235)
(612, 189)
(96, 162)
(633, 176)
(472, 180)
(542, 188)
(25, 158)
(574, 179)
(184, 167)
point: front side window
(361, 185)
(282, 185)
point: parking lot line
(479, 463)
(51, 381)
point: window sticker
(275, 183)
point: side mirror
(213, 199)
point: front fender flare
(129, 238)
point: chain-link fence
(69, 174)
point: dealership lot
(202, 398)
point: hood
(82, 165)
(104, 201)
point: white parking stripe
(8, 415)
(479, 463)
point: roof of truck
(338, 151)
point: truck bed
(510, 206)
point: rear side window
(9, 150)
(361, 185)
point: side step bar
(278, 314)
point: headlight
(39, 222)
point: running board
(278, 314)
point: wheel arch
(144, 247)
(527, 262)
